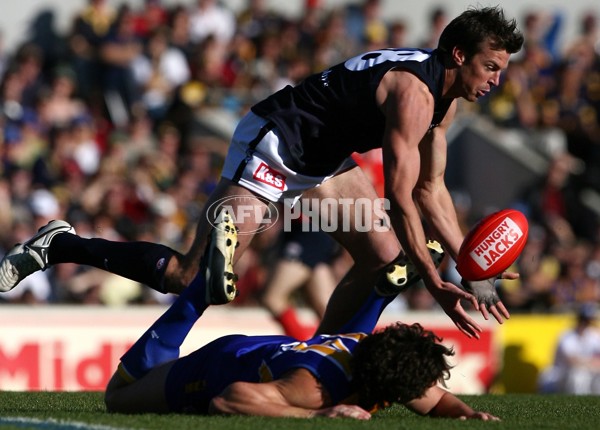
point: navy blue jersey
(332, 114)
(196, 378)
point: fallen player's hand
(348, 411)
(487, 297)
(477, 415)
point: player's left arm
(439, 403)
(298, 394)
(437, 207)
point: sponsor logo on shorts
(269, 176)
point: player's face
(482, 72)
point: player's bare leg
(371, 250)
(182, 269)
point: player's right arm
(408, 107)
(298, 395)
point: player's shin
(143, 262)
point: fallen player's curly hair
(398, 364)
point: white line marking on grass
(51, 424)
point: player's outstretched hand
(486, 296)
(347, 411)
(478, 415)
(449, 296)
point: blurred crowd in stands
(112, 126)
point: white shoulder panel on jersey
(373, 58)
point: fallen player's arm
(297, 395)
(266, 399)
(439, 403)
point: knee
(179, 274)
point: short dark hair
(474, 26)
(398, 364)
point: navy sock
(367, 316)
(144, 262)
(161, 342)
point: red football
(492, 245)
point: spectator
(86, 152)
(438, 18)
(589, 32)
(159, 73)
(142, 136)
(118, 50)
(29, 61)
(554, 201)
(4, 57)
(207, 19)
(365, 24)
(90, 26)
(576, 366)
(398, 34)
(580, 116)
(574, 285)
(11, 96)
(332, 44)
(209, 62)
(59, 106)
(542, 29)
(50, 169)
(152, 16)
(256, 20)
(179, 25)
(265, 68)
(94, 21)
(43, 34)
(6, 215)
(162, 163)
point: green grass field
(45, 410)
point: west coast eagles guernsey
(195, 379)
(332, 114)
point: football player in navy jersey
(296, 144)
(343, 375)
